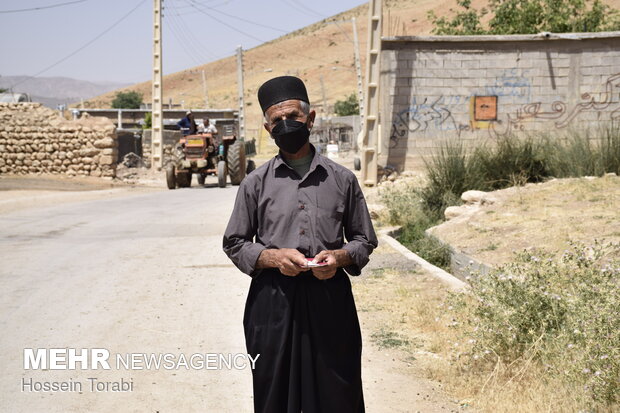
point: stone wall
(35, 139)
(480, 88)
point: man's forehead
(285, 106)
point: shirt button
(302, 206)
(302, 232)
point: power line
(193, 2)
(79, 49)
(43, 7)
(190, 37)
(228, 25)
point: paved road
(143, 273)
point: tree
(127, 100)
(3, 90)
(528, 17)
(347, 107)
(148, 120)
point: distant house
(14, 97)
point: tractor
(203, 155)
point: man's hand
(334, 260)
(289, 261)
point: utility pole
(371, 110)
(157, 120)
(324, 98)
(240, 92)
(204, 89)
(358, 69)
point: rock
(106, 160)
(454, 211)
(131, 160)
(104, 143)
(473, 197)
(89, 152)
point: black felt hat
(281, 88)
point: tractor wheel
(171, 179)
(357, 164)
(251, 166)
(236, 162)
(221, 174)
(201, 179)
(184, 179)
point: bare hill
(321, 50)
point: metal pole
(157, 118)
(119, 119)
(324, 98)
(358, 68)
(371, 109)
(240, 92)
(204, 89)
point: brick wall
(485, 87)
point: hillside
(323, 50)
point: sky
(111, 40)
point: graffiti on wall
(437, 115)
(512, 82)
(426, 115)
(561, 114)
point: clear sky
(195, 32)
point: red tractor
(203, 155)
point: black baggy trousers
(308, 336)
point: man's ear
(311, 117)
(266, 126)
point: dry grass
(413, 316)
(538, 215)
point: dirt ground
(546, 216)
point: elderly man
(286, 232)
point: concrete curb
(445, 277)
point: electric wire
(228, 25)
(232, 16)
(51, 6)
(181, 40)
(191, 39)
(84, 46)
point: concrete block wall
(35, 139)
(428, 85)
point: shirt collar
(316, 161)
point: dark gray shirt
(276, 208)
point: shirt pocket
(330, 223)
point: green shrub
(404, 204)
(509, 161)
(563, 313)
(610, 149)
(514, 160)
(450, 172)
(405, 208)
(412, 236)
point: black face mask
(290, 135)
